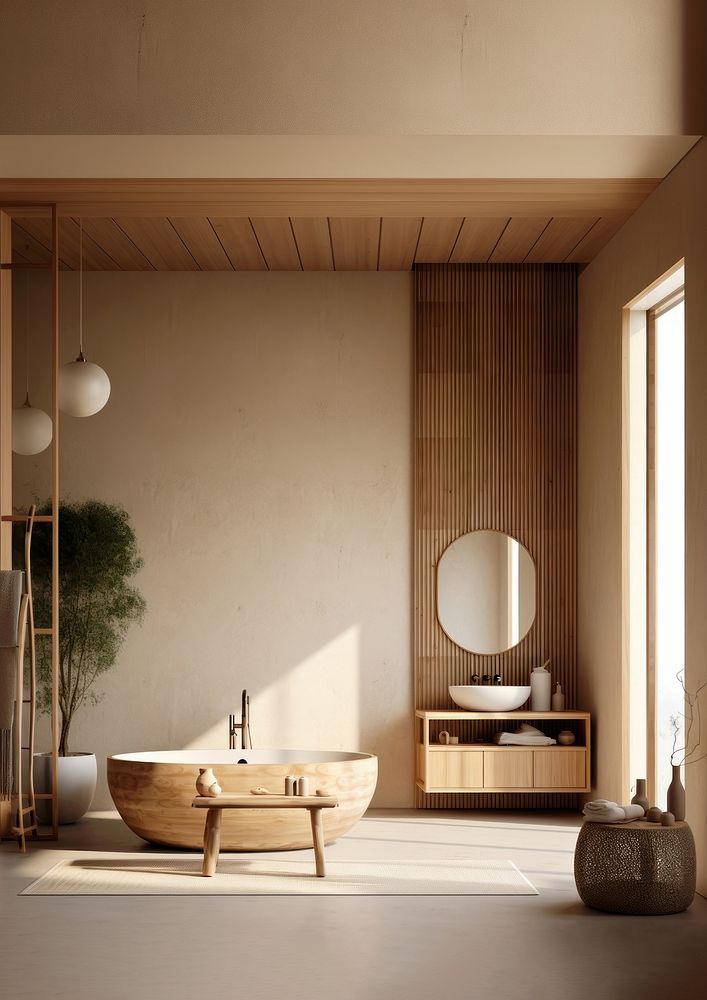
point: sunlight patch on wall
(313, 705)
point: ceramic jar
(206, 783)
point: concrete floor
(548, 947)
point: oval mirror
(486, 591)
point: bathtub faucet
(243, 726)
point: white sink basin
(488, 698)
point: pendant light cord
(81, 289)
(27, 403)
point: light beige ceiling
(367, 68)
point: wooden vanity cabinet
(479, 767)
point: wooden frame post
(7, 517)
(5, 429)
(5, 388)
(55, 522)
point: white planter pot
(78, 773)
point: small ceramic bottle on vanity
(558, 700)
(540, 689)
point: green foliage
(97, 557)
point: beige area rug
(181, 876)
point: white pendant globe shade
(31, 430)
(84, 388)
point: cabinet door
(559, 768)
(455, 769)
(508, 769)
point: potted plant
(98, 556)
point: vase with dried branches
(691, 751)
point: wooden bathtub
(153, 792)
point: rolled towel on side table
(606, 811)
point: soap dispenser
(540, 688)
(558, 699)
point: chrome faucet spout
(242, 727)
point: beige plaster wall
(362, 68)
(259, 435)
(671, 224)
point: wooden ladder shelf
(18, 817)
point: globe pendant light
(84, 388)
(31, 427)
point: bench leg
(212, 841)
(318, 840)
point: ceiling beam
(352, 198)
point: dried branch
(693, 706)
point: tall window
(666, 440)
(656, 529)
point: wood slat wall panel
(495, 447)
(160, 243)
(119, 247)
(437, 240)
(203, 244)
(355, 243)
(277, 244)
(313, 243)
(518, 239)
(477, 239)
(558, 240)
(238, 240)
(399, 239)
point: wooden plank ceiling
(203, 243)
(317, 224)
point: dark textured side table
(639, 867)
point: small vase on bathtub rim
(676, 795)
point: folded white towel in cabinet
(525, 736)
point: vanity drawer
(508, 769)
(455, 769)
(559, 768)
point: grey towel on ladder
(8, 675)
(11, 581)
(10, 596)
(8, 680)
